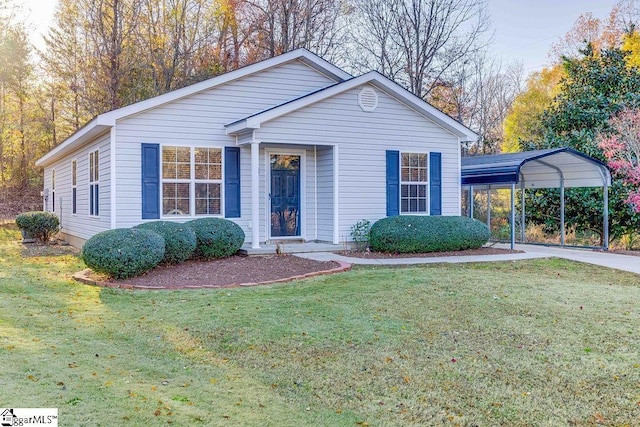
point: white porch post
(336, 198)
(255, 194)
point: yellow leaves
(631, 43)
(213, 380)
(524, 119)
(33, 378)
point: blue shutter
(435, 183)
(393, 183)
(150, 181)
(232, 182)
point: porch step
(290, 248)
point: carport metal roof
(552, 168)
(535, 169)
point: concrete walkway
(621, 262)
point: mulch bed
(229, 272)
(487, 250)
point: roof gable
(374, 78)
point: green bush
(179, 239)
(123, 252)
(416, 234)
(217, 237)
(38, 224)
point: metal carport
(552, 168)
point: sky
(524, 29)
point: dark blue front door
(285, 195)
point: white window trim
(192, 183)
(74, 161)
(53, 190)
(92, 183)
(426, 183)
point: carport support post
(523, 227)
(489, 208)
(513, 215)
(471, 201)
(562, 233)
(605, 219)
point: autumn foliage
(621, 147)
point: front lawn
(517, 343)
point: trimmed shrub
(123, 252)
(39, 224)
(179, 239)
(217, 237)
(416, 234)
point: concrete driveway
(605, 259)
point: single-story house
(288, 148)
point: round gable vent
(368, 99)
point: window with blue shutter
(393, 183)
(150, 181)
(232, 182)
(435, 183)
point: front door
(285, 195)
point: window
(74, 189)
(94, 183)
(413, 177)
(53, 190)
(191, 181)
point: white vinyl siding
(363, 138)
(325, 193)
(198, 121)
(80, 225)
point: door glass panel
(285, 195)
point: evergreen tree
(596, 86)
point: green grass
(516, 344)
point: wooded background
(100, 55)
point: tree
(479, 93)
(596, 86)
(523, 123)
(416, 42)
(284, 25)
(621, 147)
